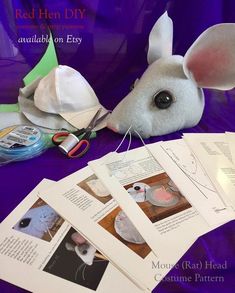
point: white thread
(144, 144)
(151, 156)
(129, 145)
(123, 139)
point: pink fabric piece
(210, 61)
(77, 238)
(162, 195)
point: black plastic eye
(137, 188)
(163, 100)
(84, 252)
(25, 222)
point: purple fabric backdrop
(111, 56)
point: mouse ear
(69, 246)
(210, 61)
(160, 39)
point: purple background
(112, 55)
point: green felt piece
(45, 65)
(9, 108)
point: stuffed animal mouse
(83, 249)
(169, 96)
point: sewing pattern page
(35, 241)
(85, 202)
(151, 199)
(204, 196)
(213, 152)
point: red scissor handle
(81, 148)
(58, 137)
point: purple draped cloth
(111, 56)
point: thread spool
(21, 142)
(68, 144)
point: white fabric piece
(64, 90)
(160, 39)
(83, 118)
(126, 229)
(8, 119)
(40, 118)
(98, 188)
(28, 90)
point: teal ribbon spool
(21, 142)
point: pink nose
(112, 128)
(77, 238)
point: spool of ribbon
(21, 142)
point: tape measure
(21, 142)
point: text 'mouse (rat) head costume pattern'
(169, 96)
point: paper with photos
(214, 154)
(92, 216)
(41, 252)
(183, 166)
(163, 213)
(99, 219)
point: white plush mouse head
(83, 249)
(138, 191)
(168, 96)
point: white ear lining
(160, 39)
(210, 61)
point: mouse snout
(112, 127)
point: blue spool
(20, 142)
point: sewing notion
(21, 142)
(76, 144)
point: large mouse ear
(210, 61)
(160, 39)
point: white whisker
(128, 130)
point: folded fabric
(66, 92)
(8, 119)
(64, 89)
(159, 196)
(97, 187)
(126, 229)
(40, 118)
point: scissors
(70, 143)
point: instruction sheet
(212, 150)
(41, 252)
(186, 171)
(84, 201)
